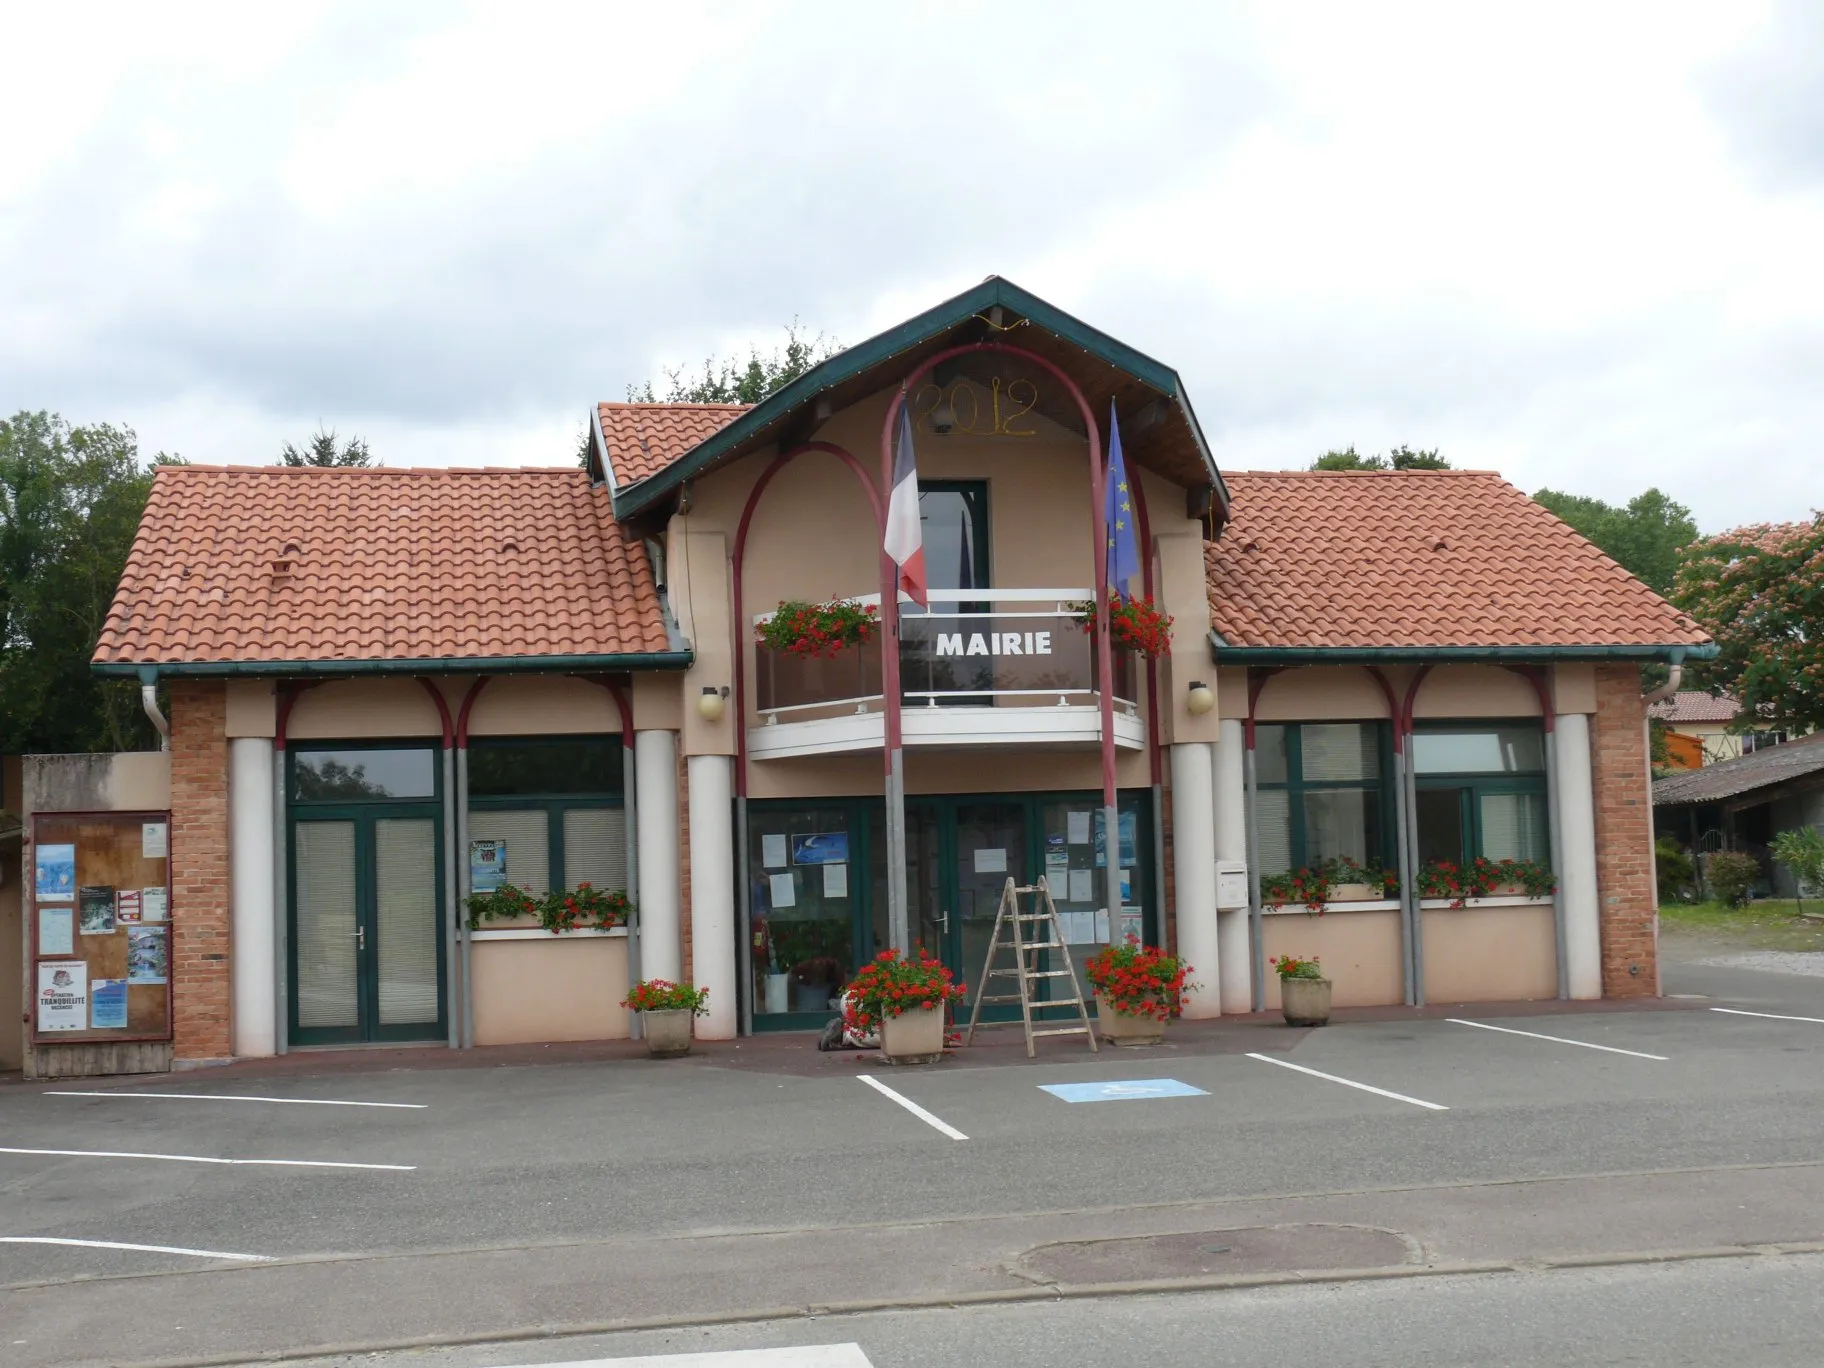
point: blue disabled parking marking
(1129, 1090)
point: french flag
(905, 539)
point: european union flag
(1123, 544)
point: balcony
(983, 667)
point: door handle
(944, 918)
(360, 938)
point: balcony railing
(990, 648)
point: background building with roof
(384, 685)
(1743, 803)
(1703, 729)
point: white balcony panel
(1073, 727)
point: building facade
(380, 683)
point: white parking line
(135, 1248)
(235, 1097)
(912, 1107)
(200, 1159)
(800, 1356)
(1560, 1040)
(1771, 1016)
(1351, 1083)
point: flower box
(1355, 892)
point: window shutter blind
(528, 838)
(595, 848)
(405, 895)
(326, 987)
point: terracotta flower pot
(1117, 1029)
(667, 1033)
(914, 1037)
(1306, 1002)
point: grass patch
(1772, 924)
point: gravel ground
(1770, 961)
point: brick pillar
(1624, 835)
(201, 1003)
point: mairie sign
(993, 643)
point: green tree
(70, 500)
(1759, 591)
(322, 450)
(1401, 457)
(1646, 538)
(734, 381)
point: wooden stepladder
(1027, 935)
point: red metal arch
(778, 463)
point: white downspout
(148, 699)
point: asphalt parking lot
(194, 1172)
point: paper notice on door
(1081, 888)
(1057, 873)
(1101, 925)
(57, 930)
(1077, 828)
(1130, 923)
(992, 860)
(1076, 926)
(835, 881)
(154, 840)
(781, 890)
(772, 850)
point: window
(1481, 793)
(1322, 793)
(356, 774)
(953, 515)
(556, 801)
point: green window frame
(1463, 831)
(1273, 740)
(560, 868)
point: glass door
(991, 843)
(367, 942)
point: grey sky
(1578, 244)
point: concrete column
(1577, 859)
(656, 788)
(712, 891)
(255, 929)
(1194, 873)
(1232, 844)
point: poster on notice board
(95, 910)
(148, 959)
(63, 995)
(56, 873)
(487, 865)
(108, 1004)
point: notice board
(99, 890)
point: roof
(273, 566)
(1694, 705)
(1374, 561)
(1158, 428)
(1729, 778)
(642, 439)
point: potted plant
(506, 903)
(1351, 881)
(818, 629)
(584, 905)
(1304, 992)
(1308, 886)
(814, 983)
(666, 1009)
(904, 1000)
(1133, 624)
(1138, 989)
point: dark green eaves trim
(631, 499)
(638, 660)
(1224, 654)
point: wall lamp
(1200, 699)
(711, 702)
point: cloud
(1537, 238)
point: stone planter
(1126, 1030)
(1306, 1002)
(915, 1037)
(667, 1033)
(1357, 892)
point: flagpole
(1105, 680)
(898, 923)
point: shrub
(1731, 875)
(1677, 872)
(1802, 851)
(662, 995)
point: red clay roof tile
(269, 563)
(643, 439)
(1315, 559)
